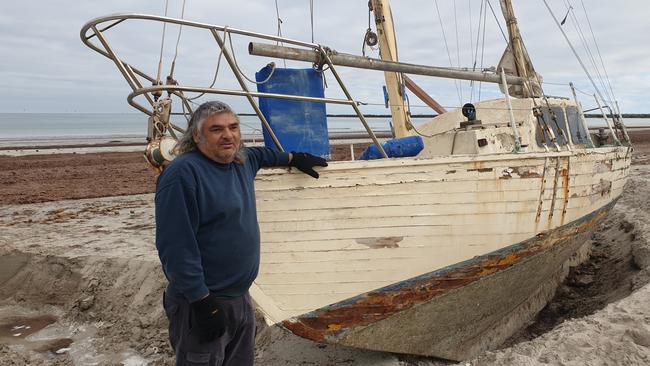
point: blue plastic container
(299, 126)
(396, 148)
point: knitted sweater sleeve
(177, 223)
(261, 157)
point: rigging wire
(598, 50)
(457, 48)
(471, 32)
(162, 44)
(475, 58)
(496, 19)
(480, 84)
(573, 49)
(277, 14)
(583, 39)
(311, 13)
(444, 37)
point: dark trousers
(234, 348)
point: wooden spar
(420, 93)
(343, 59)
(394, 81)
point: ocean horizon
(45, 126)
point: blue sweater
(207, 233)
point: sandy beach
(80, 280)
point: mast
(515, 59)
(394, 81)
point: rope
(178, 40)
(185, 112)
(583, 92)
(408, 101)
(162, 43)
(444, 37)
(370, 38)
(234, 58)
(216, 72)
(428, 136)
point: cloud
(46, 68)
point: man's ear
(195, 137)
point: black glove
(305, 162)
(210, 320)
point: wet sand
(77, 253)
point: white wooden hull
(371, 242)
(366, 225)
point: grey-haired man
(208, 239)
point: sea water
(38, 126)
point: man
(208, 238)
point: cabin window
(555, 127)
(578, 133)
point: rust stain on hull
(331, 322)
(542, 188)
(565, 190)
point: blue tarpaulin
(299, 126)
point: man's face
(221, 137)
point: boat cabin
(491, 132)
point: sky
(45, 67)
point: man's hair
(195, 127)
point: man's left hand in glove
(305, 162)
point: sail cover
(515, 60)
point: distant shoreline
(367, 115)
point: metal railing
(92, 30)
